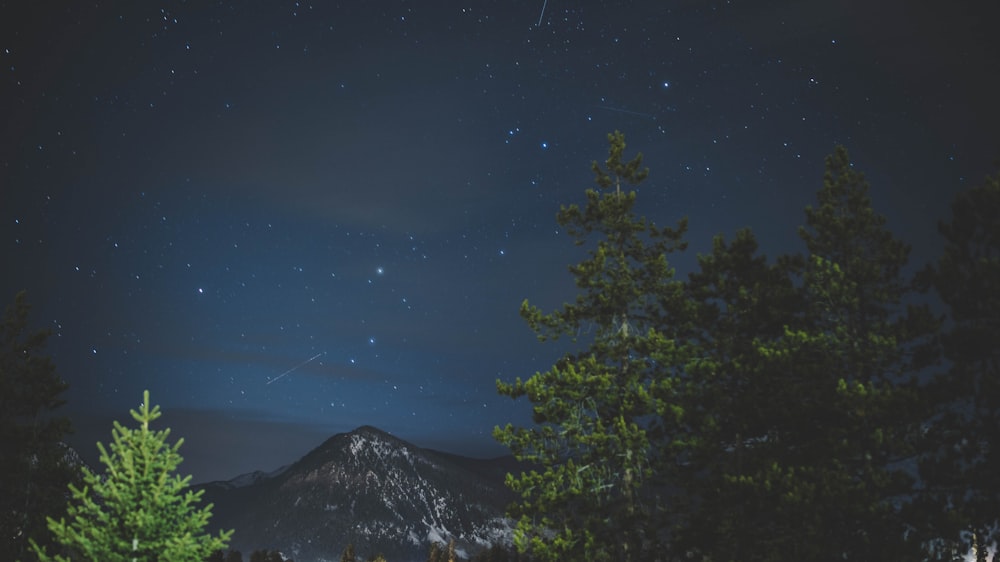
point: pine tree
(962, 450)
(833, 402)
(872, 342)
(435, 554)
(734, 398)
(800, 392)
(596, 410)
(34, 470)
(138, 509)
(348, 554)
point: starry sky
(287, 220)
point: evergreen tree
(138, 509)
(963, 445)
(435, 554)
(833, 409)
(267, 556)
(595, 410)
(34, 470)
(735, 398)
(868, 342)
(348, 554)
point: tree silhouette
(963, 445)
(267, 556)
(806, 395)
(34, 468)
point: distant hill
(371, 489)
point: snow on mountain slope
(371, 489)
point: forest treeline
(437, 552)
(810, 406)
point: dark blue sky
(287, 219)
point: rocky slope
(371, 489)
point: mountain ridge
(371, 489)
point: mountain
(371, 489)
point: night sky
(287, 220)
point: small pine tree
(348, 554)
(435, 554)
(139, 509)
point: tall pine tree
(34, 468)
(963, 446)
(862, 321)
(139, 509)
(801, 400)
(736, 400)
(596, 409)
(824, 468)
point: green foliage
(446, 554)
(807, 397)
(435, 554)
(737, 400)
(34, 470)
(616, 169)
(138, 509)
(595, 409)
(963, 445)
(348, 554)
(770, 403)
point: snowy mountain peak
(371, 489)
